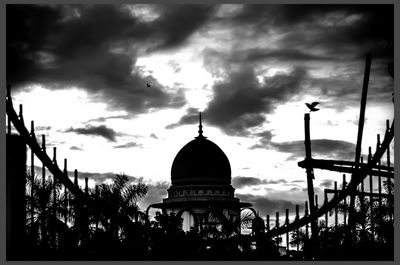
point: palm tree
(116, 207)
(43, 203)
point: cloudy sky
(81, 73)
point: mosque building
(201, 185)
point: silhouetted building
(15, 192)
(201, 185)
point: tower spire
(200, 126)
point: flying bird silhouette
(312, 106)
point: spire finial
(200, 126)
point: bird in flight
(312, 106)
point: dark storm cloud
(277, 181)
(341, 92)
(342, 33)
(240, 182)
(103, 119)
(298, 181)
(76, 148)
(191, 117)
(334, 149)
(102, 131)
(270, 206)
(99, 178)
(42, 128)
(128, 145)
(240, 102)
(318, 36)
(282, 55)
(178, 22)
(264, 139)
(337, 26)
(95, 47)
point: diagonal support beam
(345, 167)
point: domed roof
(201, 162)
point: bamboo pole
(389, 181)
(336, 208)
(86, 186)
(344, 182)
(76, 178)
(65, 194)
(359, 135)
(326, 214)
(55, 155)
(53, 232)
(297, 229)
(345, 210)
(371, 190)
(21, 117)
(32, 153)
(379, 188)
(287, 233)
(306, 214)
(43, 166)
(32, 174)
(361, 198)
(277, 225)
(277, 220)
(310, 177)
(8, 118)
(97, 213)
(8, 126)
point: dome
(201, 162)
